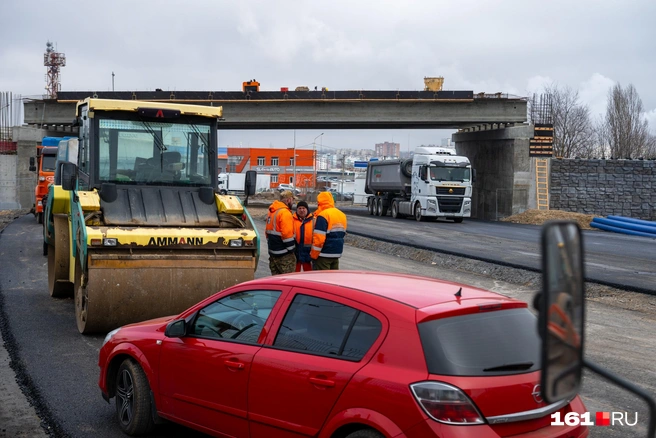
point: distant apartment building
(388, 149)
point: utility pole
(112, 81)
(314, 157)
(343, 167)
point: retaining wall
(604, 187)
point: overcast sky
(509, 46)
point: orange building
(279, 163)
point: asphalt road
(60, 365)
(618, 260)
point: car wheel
(365, 433)
(133, 406)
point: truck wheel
(395, 210)
(383, 208)
(133, 405)
(370, 205)
(379, 207)
(457, 220)
(406, 167)
(418, 215)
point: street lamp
(314, 156)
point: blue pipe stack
(625, 225)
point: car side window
(237, 317)
(324, 327)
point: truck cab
(434, 183)
(44, 166)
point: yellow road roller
(134, 227)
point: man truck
(434, 183)
(134, 226)
(44, 166)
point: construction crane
(54, 61)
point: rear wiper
(519, 366)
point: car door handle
(322, 382)
(234, 365)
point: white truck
(434, 183)
(232, 183)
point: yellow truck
(134, 226)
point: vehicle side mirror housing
(32, 164)
(561, 310)
(473, 175)
(250, 182)
(176, 329)
(68, 176)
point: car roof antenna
(459, 293)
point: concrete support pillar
(27, 138)
(505, 176)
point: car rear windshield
(495, 343)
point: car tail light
(446, 403)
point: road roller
(134, 226)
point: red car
(337, 354)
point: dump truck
(44, 166)
(135, 228)
(434, 183)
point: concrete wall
(505, 178)
(604, 187)
(8, 199)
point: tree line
(623, 132)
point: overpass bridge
(493, 132)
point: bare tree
(628, 130)
(573, 131)
(601, 137)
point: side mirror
(68, 176)
(473, 175)
(176, 329)
(251, 177)
(561, 310)
(32, 165)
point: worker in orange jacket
(328, 235)
(303, 227)
(279, 232)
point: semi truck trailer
(434, 183)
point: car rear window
(495, 343)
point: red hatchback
(337, 354)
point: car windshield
(135, 151)
(441, 173)
(483, 344)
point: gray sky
(509, 46)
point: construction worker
(280, 235)
(328, 235)
(303, 227)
